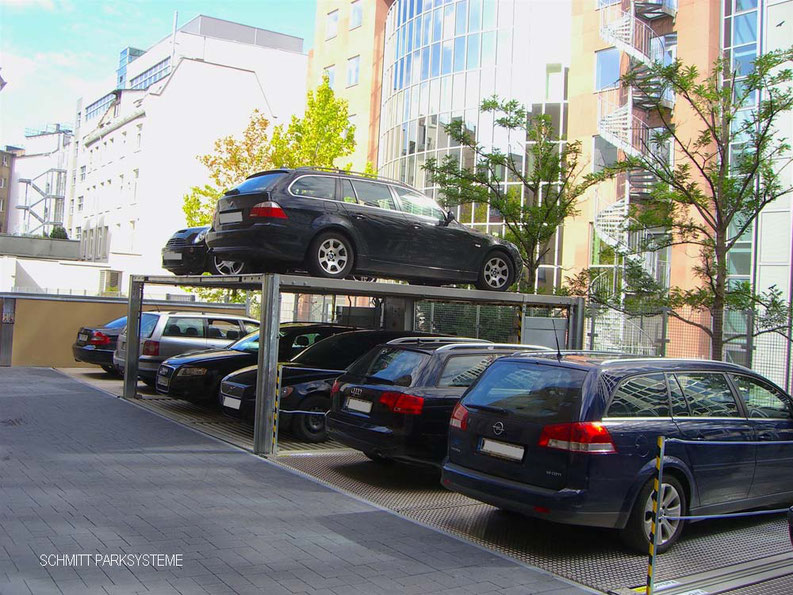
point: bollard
(659, 467)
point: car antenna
(556, 338)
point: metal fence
(660, 331)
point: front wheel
(497, 272)
(330, 256)
(671, 503)
(229, 267)
(308, 427)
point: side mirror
(449, 218)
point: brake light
(586, 437)
(334, 390)
(99, 338)
(151, 348)
(402, 403)
(459, 417)
(268, 209)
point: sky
(54, 51)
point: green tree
(547, 174)
(59, 233)
(723, 175)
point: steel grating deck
(589, 556)
(780, 586)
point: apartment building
(6, 167)
(137, 144)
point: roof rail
(337, 170)
(575, 352)
(425, 339)
(482, 345)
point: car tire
(497, 272)
(219, 266)
(330, 256)
(672, 500)
(376, 458)
(311, 428)
(150, 382)
(112, 370)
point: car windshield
(248, 344)
(540, 392)
(117, 323)
(257, 183)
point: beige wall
(44, 330)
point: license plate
(232, 217)
(232, 403)
(172, 256)
(82, 337)
(359, 405)
(163, 382)
(503, 450)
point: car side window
(417, 204)
(374, 195)
(762, 401)
(315, 187)
(708, 394)
(679, 405)
(249, 327)
(218, 328)
(347, 193)
(184, 327)
(462, 370)
(640, 396)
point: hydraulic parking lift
(398, 314)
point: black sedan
(196, 376)
(186, 253)
(306, 381)
(96, 344)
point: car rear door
(182, 334)
(723, 473)
(770, 413)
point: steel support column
(133, 336)
(264, 438)
(575, 329)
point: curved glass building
(442, 58)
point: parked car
(96, 344)
(196, 376)
(186, 253)
(572, 440)
(395, 402)
(335, 224)
(306, 382)
(165, 334)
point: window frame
(357, 61)
(742, 413)
(356, 7)
(765, 384)
(314, 175)
(335, 21)
(615, 84)
(626, 379)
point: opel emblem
(356, 392)
(498, 428)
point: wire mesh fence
(493, 323)
(684, 333)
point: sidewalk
(85, 473)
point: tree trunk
(531, 275)
(719, 295)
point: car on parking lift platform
(196, 376)
(96, 344)
(186, 253)
(306, 381)
(335, 224)
(395, 403)
(572, 439)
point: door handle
(765, 436)
(416, 226)
(359, 217)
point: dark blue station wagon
(572, 439)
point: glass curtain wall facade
(442, 58)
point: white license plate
(172, 256)
(82, 337)
(232, 217)
(232, 403)
(163, 382)
(359, 405)
(501, 449)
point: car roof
(203, 315)
(333, 171)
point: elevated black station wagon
(572, 439)
(335, 224)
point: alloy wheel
(496, 272)
(332, 256)
(670, 505)
(229, 267)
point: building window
(80, 201)
(2, 182)
(2, 205)
(78, 233)
(356, 14)
(139, 136)
(607, 69)
(5, 160)
(152, 75)
(353, 70)
(82, 173)
(332, 24)
(330, 72)
(97, 108)
(605, 154)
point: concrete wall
(39, 247)
(44, 329)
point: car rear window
(117, 323)
(462, 370)
(542, 393)
(390, 364)
(315, 187)
(257, 184)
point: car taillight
(151, 348)
(99, 338)
(268, 209)
(459, 417)
(587, 437)
(402, 403)
(335, 388)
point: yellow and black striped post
(659, 469)
(279, 371)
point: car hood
(208, 356)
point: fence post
(592, 316)
(749, 337)
(657, 483)
(664, 330)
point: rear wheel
(307, 427)
(497, 272)
(229, 267)
(671, 502)
(331, 256)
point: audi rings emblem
(356, 392)
(498, 428)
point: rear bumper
(270, 242)
(146, 368)
(563, 506)
(91, 355)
